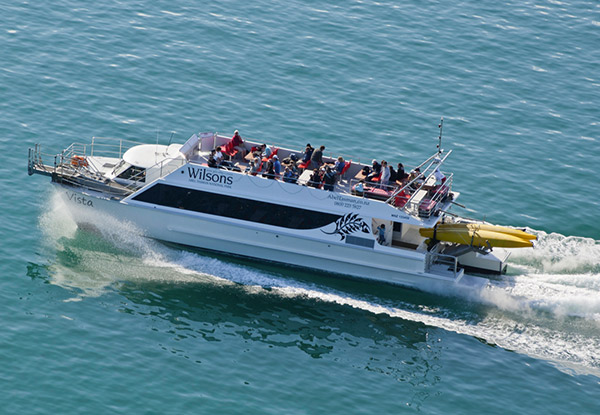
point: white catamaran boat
(401, 233)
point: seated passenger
(393, 175)
(401, 175)
(252, 168)
(219, 156)
(307, 153)
(212, 162)
(238, 143)
(288, 176)
(416, 178)
(315, 179)
(375, 171)
(276, 165)
(266, 151)
(270, 172)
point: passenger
(381, 234)
(315, 179)
(295, 171)
(212, 162)
(439, 177)
(385, 175)
(416, 178)
(328, 179)
(317, 158)
(375, 171)
(276, 165)
(339, 165)
(252, 168)
(269, 172)
(292, 159)
(307, 153)
(288, 176)
(238, 143)
(401, 175)
(393, 175)
(266, 151)
(219, 155)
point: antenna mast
(440, 126)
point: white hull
(386, 264)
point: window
(235, 207)
(133, 173)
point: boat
(402, 232)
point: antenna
(440, 126)
(170, 138)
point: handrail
(438, 164)
(436, 258)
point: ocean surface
(104, 321)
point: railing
(430, 196)
(107, 147)
(111, 147)
(411, 200)
(434, 258)
(426, 175)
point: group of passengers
(266, 162)
(385, 174)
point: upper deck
(420, 197)
(104, 166)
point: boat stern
(486, 262)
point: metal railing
(111, 147)
(99, 147)
(434, 258)
(426, 176)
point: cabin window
(235, 207)
(133, 173)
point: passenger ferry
(401, 232)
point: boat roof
(148, 155)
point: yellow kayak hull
(480, 235)
(491, 228)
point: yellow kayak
(480, 235)
(485, 227)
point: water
(102, 321)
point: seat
(229, 150)
(304, 164)
(345, 169)
(273, 152)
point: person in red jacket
(238, 143)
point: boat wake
(547, 306)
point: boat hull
(385, 264)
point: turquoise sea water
(107, 322)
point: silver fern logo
(347, 224)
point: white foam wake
(548, 306)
